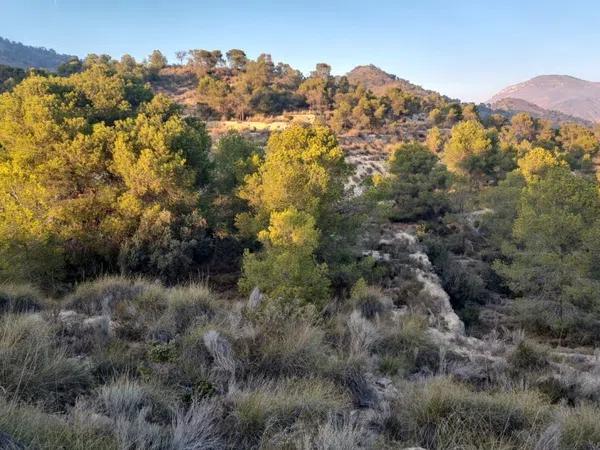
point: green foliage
(215, 93)
(523, 127)
(234, 158)
(303, 168)
(536, 162)
(287, 269)
(416, 184)
(162, 353)
(434, 140)
(157, 60)
(470, 150)
(299, 186)
(464, 285)
(93, 168)
(551, 263)
(502, 201)
(577, 138)
(528, 356)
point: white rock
(255, 299)
(433, 288)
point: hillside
(344, 270)
(515, 105)
(377, 80)
(563, 93)
(16, 54)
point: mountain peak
(564, 93)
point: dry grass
(34, 368)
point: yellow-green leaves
(81, 165)
(468, 141)
(536, 162)
(291, 196)
(286, 269)
(304, 168)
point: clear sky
(463, 48)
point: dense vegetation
(163, 289)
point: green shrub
(369, 300)
(528, 356)
(33, 367)
(162, 353)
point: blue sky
(467, 49)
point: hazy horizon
(468, 51)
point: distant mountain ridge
(16, 54)
(562, 93)
(516, 105)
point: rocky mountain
(378, 81)
(15, 54)
(512, 106)
(562, 93)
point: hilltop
(378, 81)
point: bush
(278, 404)
(187, 304)
(287, 341)
(296, 349)
(20, 299)
(36, 429)
(102, 296)
(407, 345)
(441, 414)
(34, 368)
(123, 398)
(137, 412)
(363, 335)
(198, 428)
(349, 374)
(464, 286)
(369, 300)
(528, 356)
(580, 429)
(339, 432)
